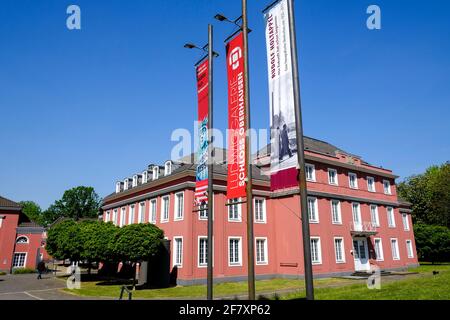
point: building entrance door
(361, 254)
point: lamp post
(211, 55)
(250, 236)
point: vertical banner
(283, 141)
(237, 167)
(201, 185)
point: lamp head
(190, 46)
(220, 17)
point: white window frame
(155, 173)
(144, 177)
(239, 263)
(152, 215)
(175, 252)
(163, 219)
(352, 174)
(131, 214)
(409, 249)
(118, 186)
(239, 211)
(203, 212)
(319, 250)
(396, 248)
(205, 264)
(176, 207)
(265, 250)
(380, 256)
(405, 220)
(115, 216)
(108, 216)
(373, 184)
(313, 172)
(316, 208)
(389, 191)
(342, 249)
(24, 259)
(125, 184)
(141, 212)
(25, 237)
(391, 217)
(264, 213)
(135, 181)
(336, 177)
(338, 211)
(123, 215)
(376, 222)
(168, 168)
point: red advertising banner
(201, 185)
(237, 167)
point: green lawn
(424, 285)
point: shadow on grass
(427, 263)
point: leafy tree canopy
(96, 237)
(32, 210)
(433, 243)
(64, 240)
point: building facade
(356, 219)
(22, 242)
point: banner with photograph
(283, 141)
(201, 185)
(237, 167)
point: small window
(203, 212)
(387, 186)
(202, 251)
(131, 214)
(405, 222)
(153, 211)
(374, 215)
(22, 239)
(135, 181)
(313, 211)
(155, 172)
(141, 214)
(379, 249)
(19, 260)
(168, 168)
(234, 252)
(394, 247)
(260, 210)
(165, 209)
(353, 180)
(125, 184)
(179, 206)
(310, 172)
(115, 217)
(178, 252)
(391, 217)
(122, 216)
(108, 216)
(332, 177)
(118, 187)
(261, 251)
(234, 210)
(339, 250)
(316, 254)
(409, 249)
(145, 177)
(371, 184)
(336, 212)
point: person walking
(41, 268)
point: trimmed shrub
(23, 271)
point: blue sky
(92, 106)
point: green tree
(429, 194)
(136, 243)
(32, 210)
(432, 242)
(64, 241)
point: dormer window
(135, 181)
(144, 177)
(125, 184)
(168, 168)
(118, 187)
(155, 171)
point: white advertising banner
(281, 92)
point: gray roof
(6, 203)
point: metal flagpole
(250, 237)
(210, 165)
(301, 158)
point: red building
(22, 242)
(356, 218)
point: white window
(115, 217)
(155, 172)
(1, 220)
(313, 210)
(336, 212)
(353, 180)
(145, 176)
(234, 210)
(178, 251)
(108, 216)
(261, 251)
(405, 222)
(202, 251)
(165, 209)
(131, 214)
(409, 249)
(141, 214)
(339, 250)
(125, 184)
(394, 248)
(316, 252)
(371, 184)
(310, 171)
(379, 249)
(260, 210)
(22, 239)
(153, 211)
(179, 206)
(387, 186)
(203, 212)
(391, 217)
(374, 215)
(332, 177)
(356, 213)
(168, 168)
(135, 181)
(118, 187)
(234, 251)
(122, 216)
(19, 260)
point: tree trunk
(134, 277)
